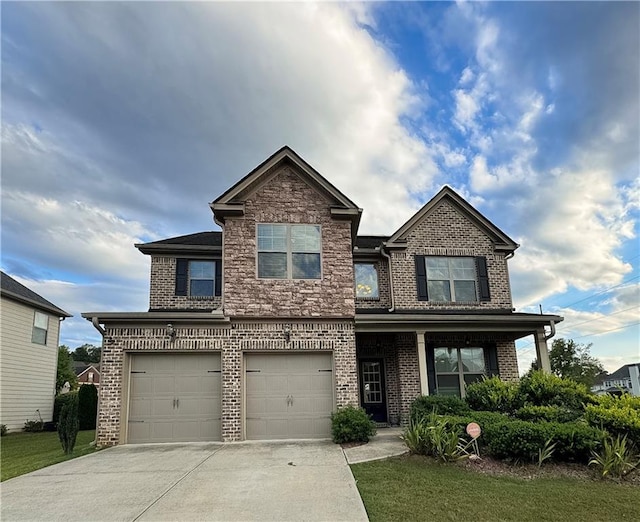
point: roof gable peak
(501, 240)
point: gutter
(384, 254)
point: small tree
(87, 406)
(68, 425)
(66, 372)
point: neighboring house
(623, 380)
(87, 373)
(29, 335)
(262, 330)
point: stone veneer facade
(286, 198)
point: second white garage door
(174, 397)
(288, 396)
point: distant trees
(65, 373)
(573, 361)
(86, 353)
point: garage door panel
(288, 395)
(174, 398)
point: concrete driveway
(208, 481)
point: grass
(415, 488)
(25, 452)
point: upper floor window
(289, 251)
(198, 277)
(202, 278)
(40, 328)
(452, 279)
(366, 282)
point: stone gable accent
(286, 198)
(446, 232)
(232, 341)
(162, 293)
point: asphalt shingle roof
(11, 288)
(200, 238)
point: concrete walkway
(386, 443)
(243, 481)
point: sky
(122, 121)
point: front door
(372, 393)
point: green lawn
(25, 452)
(414, 488)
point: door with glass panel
(372, 390)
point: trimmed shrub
(544, 389)
(351, 424)
(493, 394)
(68, 424)
(522, 440)
(552, 413)
(3, 430)
(87, 406)
(619, 416)
(424, 405)
(59, 402)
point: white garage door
(289, 396)
(174, 397)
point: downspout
(96, 325)
(552, 332)
(222, 294)
(393, 306)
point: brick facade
(446, 232)
(319, 314)
(162, 294)
(384, 291)
(231, 341)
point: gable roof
(231, 202)
(12, 289)
(500, 240)
(620, 373)
(190, 244)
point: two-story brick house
(261, 330)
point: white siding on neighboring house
(27, 369)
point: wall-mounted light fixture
(171, 332)
(287, 332)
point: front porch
(397, 362)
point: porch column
(422, 362)
(542, 351)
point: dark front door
(372, 393)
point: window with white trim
(289, 251)
(40, 328)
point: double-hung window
(289, 251)
(198, 278)
(452, 279)
(40, 328)
(202, 278)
